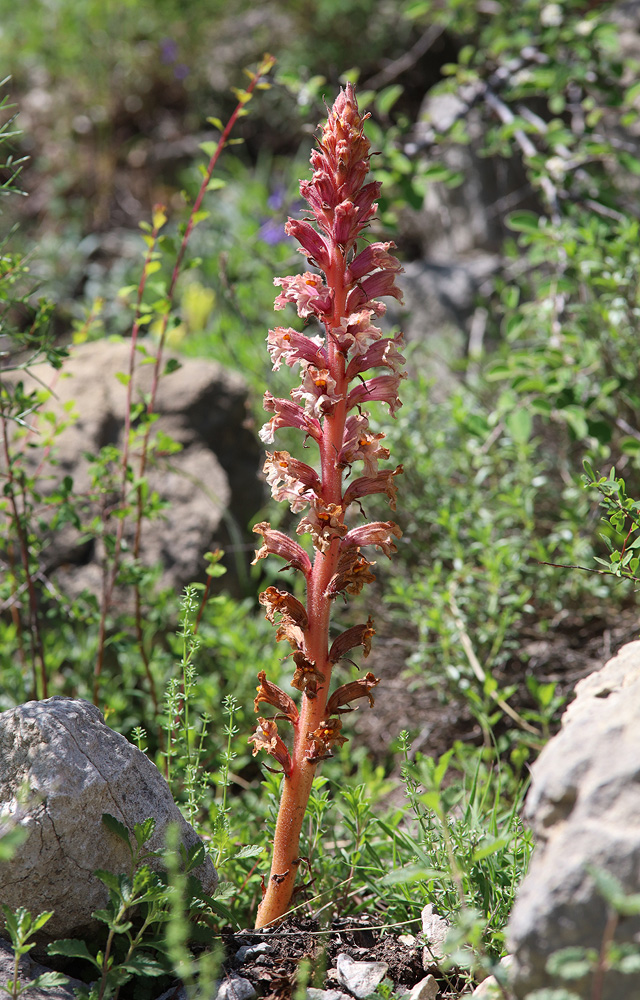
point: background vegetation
(483, 606)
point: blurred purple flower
(181, 71)
(275, 201)
(168, 50)
(272, 232)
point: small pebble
(488, 989)
(426, 989)
(407, 940)
(236, 989)
(360, 978)
(248, 951)
(435, 930)
(313, 994)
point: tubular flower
(347, 693)
(273, 695)
(266, 738)
(324, 738)
(344, 363)
(291, 480)
(285, 344)
(357, 635)
(378, 533)
(360, 444)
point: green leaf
(40, 920)
(109, 879)
(48, 979)
(249, 851)
(141, 964)
(571, 963)
(11, 841)
(410, 873)
(519, 424)
(388, 97)
(117, 827)
(144, 831)
(523, 222)
(489, 847)
(71, 948)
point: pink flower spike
(291, 480)
(276, 543)
(287, 414)
(307, 291)
(346, 225)
(290, 346)
(359, 443)
(356, 332)
(372, 257)
(380, 283)
(323, 523)
(312, 244)
(380, 483)
(317, 392)
(382, 389)
(378, 533)
(383, 354)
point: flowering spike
(378, 533)
(341, 298)
(285, 604)
(273, 695)
(357, 635)
(278, 544)
(266, 738)
(347, 693)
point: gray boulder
(213, 485)
(584, 806)
(61, 768)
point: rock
(584, 806)
(235, 988)
(249, 951)
(28, 970)
(489, 988)
(435, 930)
(175, 993)
(213, 481)
(61, 768)
(360, 978)
(426, 989)
(313, 994)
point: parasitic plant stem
(341, 300)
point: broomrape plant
(329, 411)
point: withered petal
(285, 604)
(274, 695)
(347, 693)
(357, 635)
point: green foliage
(21, 926)
(471, 850)
(491, 504)
(142, 905)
